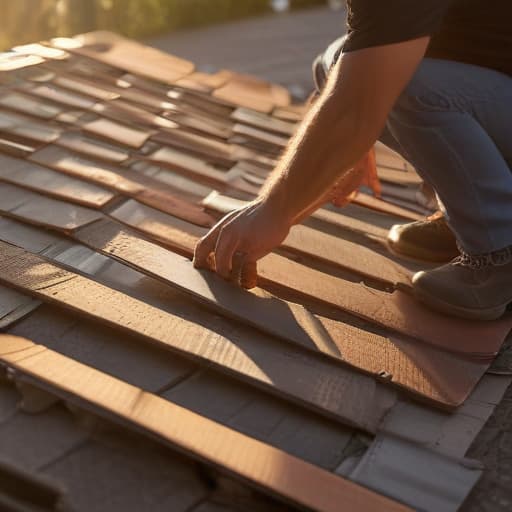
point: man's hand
(239, 240)
(364, 173)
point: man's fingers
(227, 243)
(204, 248)
(372, 174)
(244, 271)
(249, 275)
(206, 245)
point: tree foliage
(33, 20)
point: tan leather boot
(427, 240)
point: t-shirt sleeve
(380, 22)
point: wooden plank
(252, 461)
(386, 157)
(386, 207)
(158, 226)
(209, 149)
(131, 56)
(275, 142)
(154, 102)
(203, 124)
(187, 188)
(363, 350)
(117, 132)
(43, 211)
(70, 163)
(85, 87)
(180, 161)
(348, 255)
(328, 388)
(55, 94)
(205, 82)
(27, 127)
(89, 146)
(250, 92)
(291, 114)
(397, 311)
(40, 50)
(11, 61)
(27, 105)
(264, 122)
(404, 178)
(15, 149)
(204, 172)
(125, 112)
(54, 184)
(122, 180)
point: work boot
(474, 287)
(427, 240)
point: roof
(146, 384)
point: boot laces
(477, 261)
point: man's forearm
(330, 141)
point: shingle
(120, 355)
(55, 94)
(133, 57)
(130, 477)
(416, 476)
(27, 127)
(245, 356)
(43, 211)
(252, 93)
(33, 441)
(243, 457)
(28, 105)
(266, 418)
(108, 88)
(14, 306)
(45, 181)
(391, 354)
(263, 122)
(89, 146)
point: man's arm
(339, 129)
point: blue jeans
(453, 122)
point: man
(433, 80)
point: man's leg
(453, 122)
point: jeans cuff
(490, 259)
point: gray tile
(128, 476)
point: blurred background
(31, 20)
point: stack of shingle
(328, 387)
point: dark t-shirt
(473, 31)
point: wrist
(277, 207)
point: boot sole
(437, 304)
